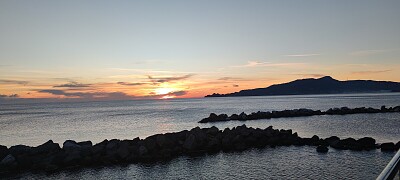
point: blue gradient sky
(258, 43)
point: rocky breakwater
(296, 113)
(51, 157)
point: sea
(33, 123)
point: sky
(187, 49)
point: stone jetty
(296, 113)
(51, 157)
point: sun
(161, 91)
(167, 97)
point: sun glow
(161, 91)
(167, 97)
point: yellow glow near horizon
(168, 97)
(161, 91)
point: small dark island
(324, 85)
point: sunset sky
(183, 49)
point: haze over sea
(33, 123)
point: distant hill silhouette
(324, 85)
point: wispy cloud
(130, 84)
(268, 64)
(9, 96)
(168, 79)
(369, 52)
(88, 95)
(310, 75)
(371, 72)
(230, 79)
(235, 85)
(175, 93)
(8, 81)
(301, 55)
(73, 84)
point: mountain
(323, 85)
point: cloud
(310, 75)
(369, 52)
(9, 96)
(8, 81)
(268, 64)
(235, 85)
(169, 79)
(88, 95)
(130, 84)
(370, 72)
(158, 96)
(230, 79)
(302, 55)
(73, 84)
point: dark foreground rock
(51, 157)
(296, 113)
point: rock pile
(296, 113)
(50, 156)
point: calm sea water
(35, 123)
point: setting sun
(161, 91)
(168, 97)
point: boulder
(3, 151)
(112, 144)
(213, 131)
(164, 141)
(388, 147)
(123, 151)
(142, 150)
(72, 157)
(46, 148)
(367, 143)
(70, 145)
(322, 149)
(190, 143)
(8, 160)
(19, 150)
(84, 144)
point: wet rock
(213, 131)
(45, 148)
(8, 160)
(322, 149)
(70, 145)
(367, 143)
(19, 150)
(3, 151)
(388, 147)
(123, 151)
(142, 150)
(85, 144)
(190, 143)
